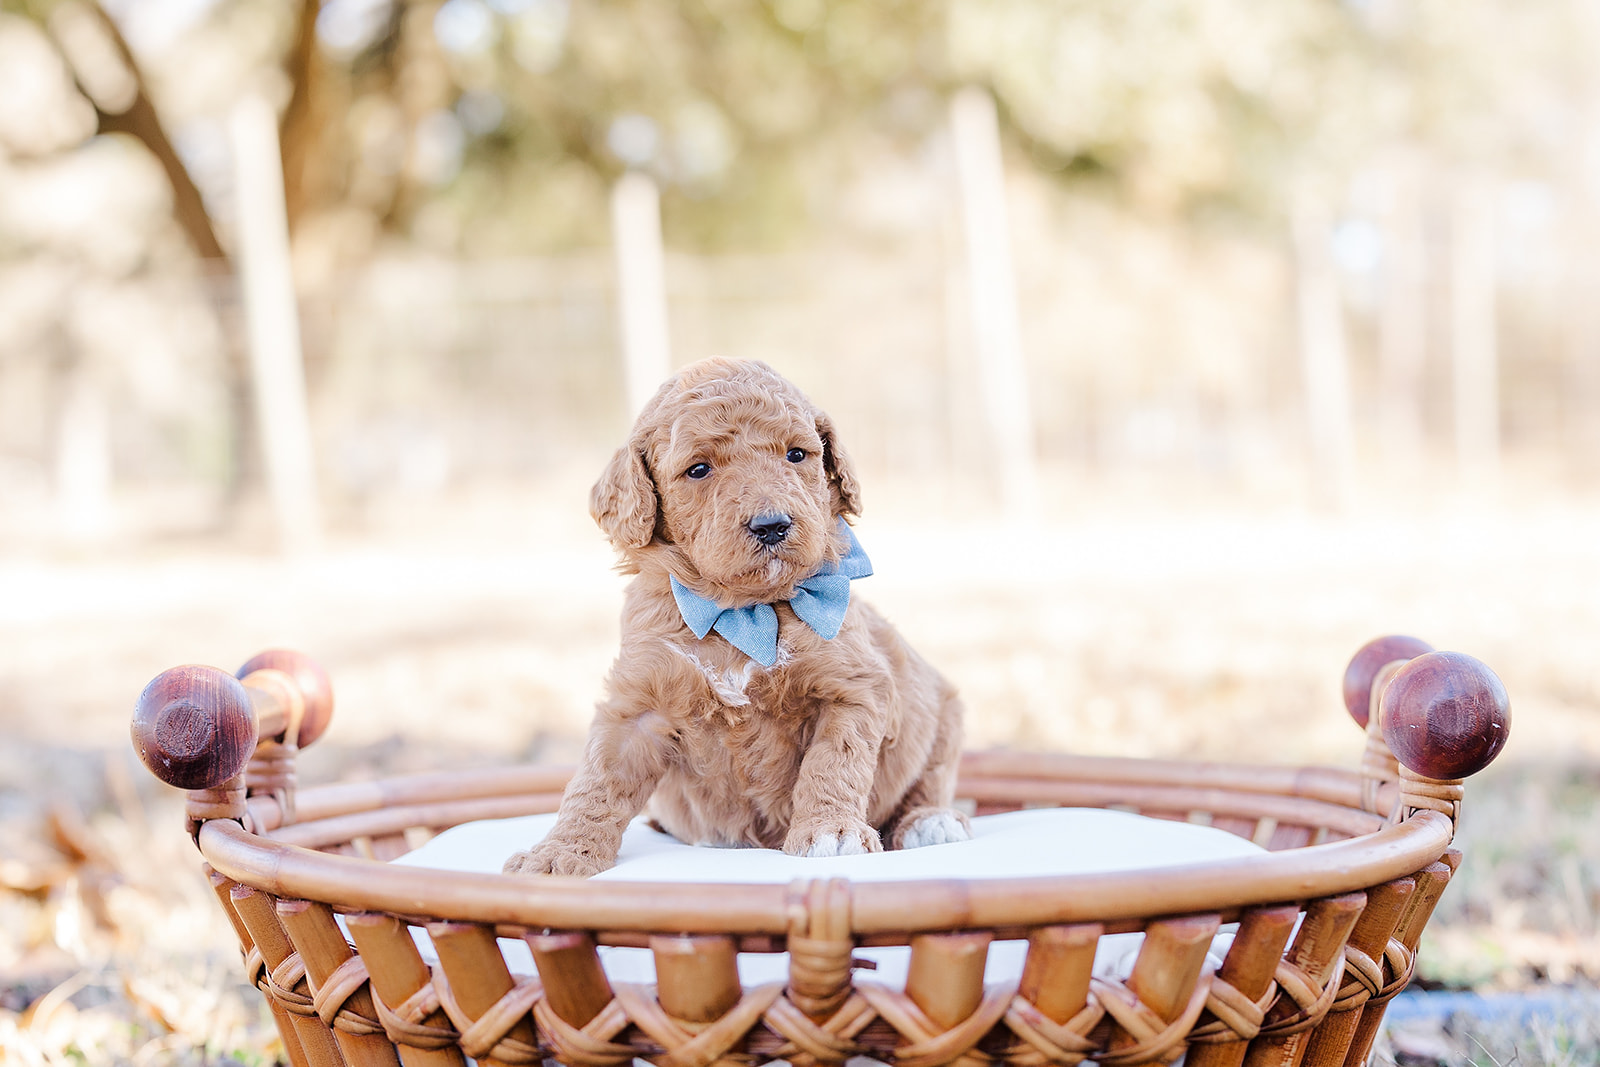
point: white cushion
(1018, 844)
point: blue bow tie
(820, 601)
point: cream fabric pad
(1019, 844)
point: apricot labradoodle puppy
(754, 702)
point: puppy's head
(734, 479)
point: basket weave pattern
(1271, 1000)
(1326, 921)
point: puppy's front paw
(554, 857)
(832, 837)
(930, 826)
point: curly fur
(841, 745)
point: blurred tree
(488, 127)
(302, 115)
(109, 76)
(497, 125)
(513, 116)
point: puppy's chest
(732, 678)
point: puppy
(755, 701)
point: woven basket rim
(1331, 784)
(876, 908)
(930, 905)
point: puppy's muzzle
(770, 529)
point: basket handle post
(197, 728)
(1365, 679)
(302, 689)
(1445, 716)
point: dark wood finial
(1445, 715)
(1364, 666)
(311, 680)
(194, 728)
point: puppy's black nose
(770, 528)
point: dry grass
(1538, 1041)
(1215, 634)
(114, 950)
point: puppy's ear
(841, 474)
(623, 502)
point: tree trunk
(301, 122)
(140, 120)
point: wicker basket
(1329, 918)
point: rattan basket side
(1328, 920)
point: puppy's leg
(830, 795)
(622, 762)
(925, 816)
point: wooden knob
(1364, 667)
(1445, 715)
(309, 677)
(194, 728)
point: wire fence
(1157, 358)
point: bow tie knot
(820, 601)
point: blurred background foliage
(495, 126)
(448, 165)
(1182, 176)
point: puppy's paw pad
(550, 860)
(837, 845)
(840, 841)
(939, 828)
(527, 862)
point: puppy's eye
(797, 455)
(698, 471)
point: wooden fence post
(1403, 319)
(272, 323)
(1322, 355)
(641, 286)
(83, 455)
(1474, 356)
(992, 288)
